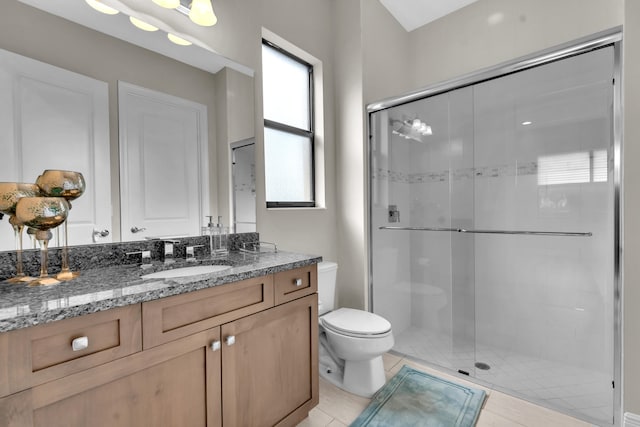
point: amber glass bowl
(61, 183)
(11, 192)
(42, 213)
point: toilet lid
(356, 322)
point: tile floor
(552, 384)
(338, 408)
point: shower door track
(463, 230)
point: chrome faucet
(169, 250)
(145, 257)
(191, 252)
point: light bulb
(201, 13)
(142, 25)
(169, 4)
(178, 40)
(100, 7)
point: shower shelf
(463, 230)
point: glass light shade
(100, 7)
(178, 40)
(142, 25)
(201, 13)
(169, 4)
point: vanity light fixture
(169, 4)
(142, 25)
(101, 7)
(201, 13)
(527, 123)
(178, 40)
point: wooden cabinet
(32, 356)
(167, 319)
(224, 356)
(296, 283)
(177, 384)
(270, 372)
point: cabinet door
(270, 374)
(176, 384)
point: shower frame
(612, 37)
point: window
(287, 83)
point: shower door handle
(472, 231)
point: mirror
(130, 55)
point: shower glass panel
(492, 231)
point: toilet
(352, 342)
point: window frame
(282, 127)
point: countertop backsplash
(110, 254)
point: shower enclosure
(494, 226)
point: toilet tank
(327, 272)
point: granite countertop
(117, 286)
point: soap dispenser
(220, 238)
(207, 230)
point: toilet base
(362, 378)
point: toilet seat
(356, 323)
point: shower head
(413, 129)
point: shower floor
(559, 386)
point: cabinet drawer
(168, 319)
(46, 352)
(296, 283)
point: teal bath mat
(413, 398)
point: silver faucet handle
(169, 246)
(191, 252)
(145, 255)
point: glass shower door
(493, 231)
(544, 303)
(419, 163)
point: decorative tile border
(521, 169)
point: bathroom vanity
(235, 348)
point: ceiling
(412, 14)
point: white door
(51, 118)
(163, 164)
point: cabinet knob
(297, 282)
(80, 343)
(215, 345)
(230, 340)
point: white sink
(187, 271)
